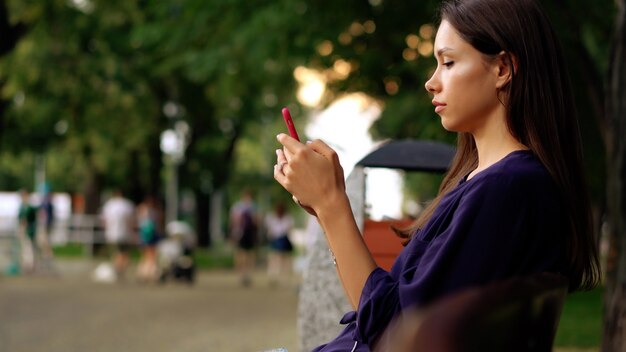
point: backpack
(248, 237)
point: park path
(71, 313)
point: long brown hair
(540, 114)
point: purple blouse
(505, 221)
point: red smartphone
(290, 125)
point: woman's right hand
(311, 173)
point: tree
(615, 297)
(83, 94)
(10, 34)
(101, 72)
(208, 58)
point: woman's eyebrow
(443, 50)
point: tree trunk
(92, 192)
(203, 207)
(155, 186)
(614, 338)
(9, 36)
(3, 108)
(135, 190)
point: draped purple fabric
(505, 221)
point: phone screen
(290, 126)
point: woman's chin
(448, 126)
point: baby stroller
(175, 253)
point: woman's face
(464, 85)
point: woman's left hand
(311, 173)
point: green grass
(581, 322)
(70, 250)
(214, 258)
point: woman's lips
(439, 106)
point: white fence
(78, 228)
(66, 227)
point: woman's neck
(494, 142)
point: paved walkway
(71, 313)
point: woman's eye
(448, 63)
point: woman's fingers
(281, 162)
(309, 172)
(322, 148)
(290, 144)
(281, 159)
(331, 155)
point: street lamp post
(173, 144)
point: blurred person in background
(46, 219)
(150, 222)
(27, 232)
(243, 225)
(118, 215)
(278, 225)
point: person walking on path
(243, 234)
(150, 225)
(278, 225)
(118, 214)
(27, 232)
(45, 215)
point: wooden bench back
(382, 242)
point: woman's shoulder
(520, 171)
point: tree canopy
(88, 82)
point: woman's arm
(312, 173)
(354, 263)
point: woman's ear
(507, 67)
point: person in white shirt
(118, 214)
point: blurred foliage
(422, 187)
(581, 320)
(87, 83)
(77, 90)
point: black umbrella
(411, 155)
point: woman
(278, 225)
(150, 220)
(513, 202)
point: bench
(382, 241)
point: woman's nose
(429, 85)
